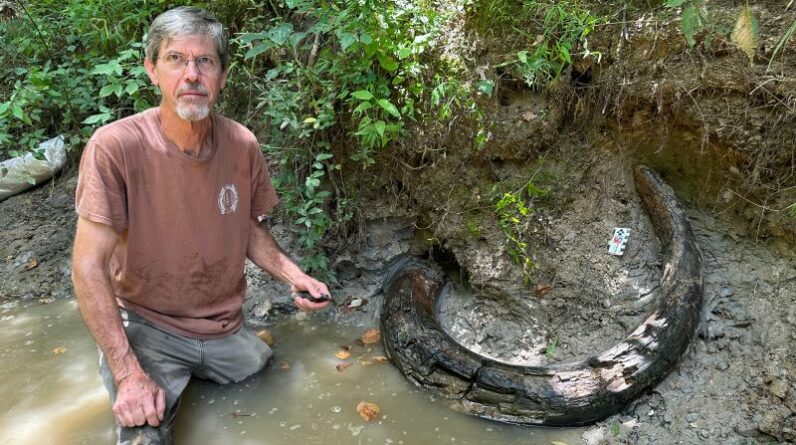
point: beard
(193, 111)
(193, 108)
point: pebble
(726, 292)
(691, 417)
(722, 366)
(779, 388)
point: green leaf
(564, 52)
(251, 37)
(312, 182)
(403, 53)
(256, 50)
(107, 90)
(380, 127)
(101, 117)
(132, 88)
(296, 38)
(691, 24)
(364, 106)
(388, 63)
(389, 107)
(346, 39)
(362, 95)
(271, 74)
(310, 120)
(4, 107)
(485, 86)
(109, 68)
(16, 110)
(674, 3)
(323, 156)
(280, 34)
(522, 56)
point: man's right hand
(139, 401)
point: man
(169, 203)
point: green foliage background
(327, 86)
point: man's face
(188, 90)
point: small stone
(726, 292)
(704, 434)
(691, 417)
(748, 432)
(772, 421)
(779, 388)
(722, 366)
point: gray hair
(186, 21)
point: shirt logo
(228, 199)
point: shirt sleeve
(263, 194)
(101, 194)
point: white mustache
(192, 89)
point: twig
(763, 206)
(314, 51)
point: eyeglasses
(178, 62)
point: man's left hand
(314, 288)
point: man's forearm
(101, 315)
(264, 251)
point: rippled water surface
(52, 393)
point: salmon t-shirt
(183, 222)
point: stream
(53, 393)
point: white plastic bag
(22, 168)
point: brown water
(52, 393)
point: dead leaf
(366, 362)
(59, 350)
(558, 442)
(368, 411)
(342, 355)
(32, 264)
(266, 336)
(380, 359)
(528, 116)
(46, 300)
(343, 366)
(745, 35)
(542, 289)
(371, 336)
(284, 366)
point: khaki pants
(171, 360)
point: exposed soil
(719, 129)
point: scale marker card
(619, 241)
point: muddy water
(52, 393)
